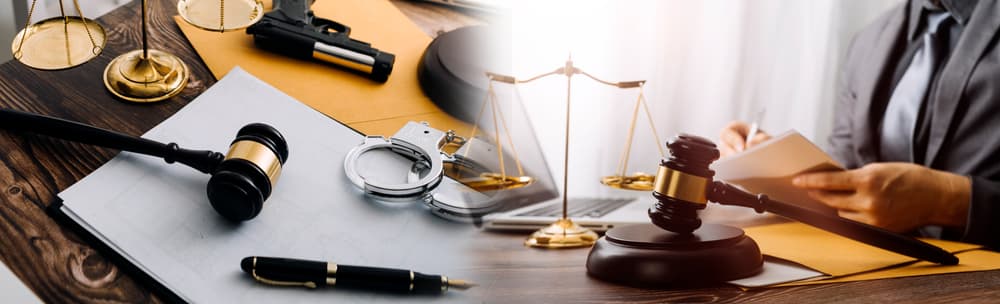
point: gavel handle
(204, 161)
(726, 194)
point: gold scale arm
(638, 181)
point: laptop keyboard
(581, 207)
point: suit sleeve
(841, 144)
(983, 225)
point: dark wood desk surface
(60, 267)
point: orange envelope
(370, 107)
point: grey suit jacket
(965, 129)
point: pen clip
(308, 284)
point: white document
(778, 271)
(157, 215)
(769, 168)
(12, 290)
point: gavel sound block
(673, 250)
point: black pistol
(292, 29)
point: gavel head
(682, 184)
(244, 179)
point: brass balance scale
(564, 233)
(142, 76)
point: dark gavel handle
(204, 161)
(726, 194)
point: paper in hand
(769, 168)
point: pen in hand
(293, 272)
(754, 127)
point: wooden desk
(60, 267)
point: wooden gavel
(684, 185)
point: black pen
(293, 272)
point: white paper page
(158, 215)
(769, 168)
(12, 290)
(777, 271)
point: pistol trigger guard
(325, 24)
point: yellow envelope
(974, 260)
(365, 105)
(849, 260)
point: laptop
(598, 214)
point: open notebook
(157, 218)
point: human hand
(733, 137)
(897, 196)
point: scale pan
(221, 15)
(495, 182)
(638, 181)
(58, 43)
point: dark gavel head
(244, 179)
(682, 184)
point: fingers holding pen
(733, 138)
(758, 138)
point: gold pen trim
(331, 272)
(444, 283)
(411, 280)
(275, 282)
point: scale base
(155, 78)
(562, 234)
(645, 255)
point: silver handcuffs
(422, 144)
(415, 141)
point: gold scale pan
(58, 43)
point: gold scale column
(146, 75)
(152, 75)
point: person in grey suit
(917, 124)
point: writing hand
(733, 138)
(897, 196)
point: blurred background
(706, 62)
